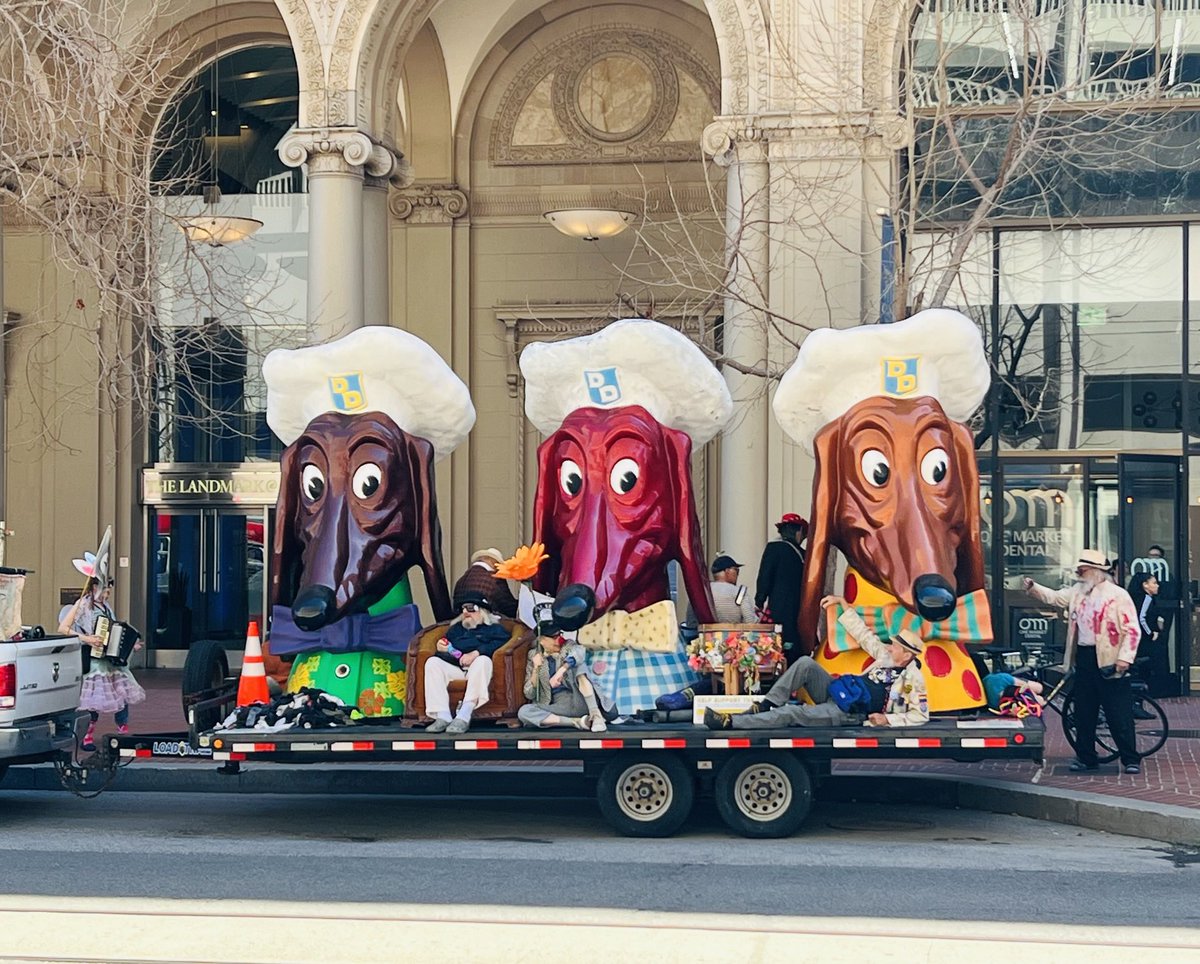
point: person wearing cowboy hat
(1102, 642)
(780, 576)
(480, 577)
(892, 686)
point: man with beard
(1102, 643)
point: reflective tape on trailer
(255, 747)
(476, 745)
(601, 744)
(917, 743)
(855, 743)
(139, 753)
(985, 741)
(232, 757)
(414, 745)
(357, 746)
(309, 747)
(797, 743)
(677, 744)
(731, 744)
(539, 744)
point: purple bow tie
(387, 633)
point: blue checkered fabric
(634, 679)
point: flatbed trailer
(646, 777)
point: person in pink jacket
(1102, 642)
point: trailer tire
(643, 795)
(205, 668)
(765, 795)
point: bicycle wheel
(1149, 735)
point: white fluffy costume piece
(373, 369)
(629, 362)
(937, 352)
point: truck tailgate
(48, 676)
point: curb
(1074, 808)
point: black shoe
(1132, 768)
(762, 706)
(1078, 766)
(717, 721)
(1141, 713)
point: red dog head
(356, 510)
(897, 491)
(614, 505)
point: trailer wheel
(763, 796)
(645, 796)
(205, 668)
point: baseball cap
(723, 562)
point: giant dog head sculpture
(897, 491)
(622, 409)
(364, 419)
(896, 487)
(614, 505)
(356, 511)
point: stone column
(384, 168)
(744, 445)
(335, 158)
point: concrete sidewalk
(1162, 803)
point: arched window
(220, 309)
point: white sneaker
(583, 723)
(598, 724)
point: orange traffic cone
(252, 688)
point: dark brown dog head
(614, 505)
(356, 510)
(897, 491)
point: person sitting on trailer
(557, 684)
(889, 692)
(465, 652)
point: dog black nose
(935, 598)
(313, 607)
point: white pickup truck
(39, 699)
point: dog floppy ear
(690, 546)
(429, 527)
(968, 569)
(826, 490)
(545, 508)
(286, 549)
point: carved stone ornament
(615, 93)
(326, 149)
(428, 204)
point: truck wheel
(643, 796)
(763, 796)
(205, 668)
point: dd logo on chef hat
(602, 385)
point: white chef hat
(373, 369)
(937, 352)
(629, 362)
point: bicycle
(1150, 735)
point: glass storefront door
(1151, 541)
(209, 575)
(1130, 507)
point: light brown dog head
(897, 491)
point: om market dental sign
(206, 485)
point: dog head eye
(934, 466)
(875, 468)
(624, 476)
(570, 477)
(368, 477)
(312, 483)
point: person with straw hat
(1102, 642)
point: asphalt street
(850, 859)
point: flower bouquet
(741, 654)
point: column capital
(344, 150)
(729, 140)
(428, 203)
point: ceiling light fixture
(590, 224)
